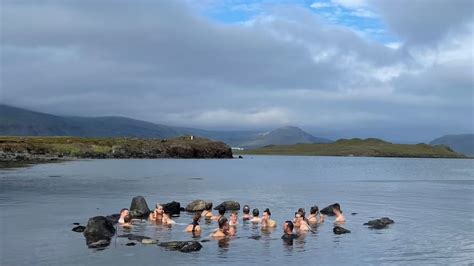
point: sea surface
(431, 201)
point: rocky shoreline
(49, 149)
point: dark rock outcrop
(196, 206)
(328, 210)
(98, 228)
(183, 246)
(79, 229)
(131, 244)
(340, 230)
(379, 223)
(229, 205)
(99, 244)
(172, 208)
(139, 208)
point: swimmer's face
(124, 213)
(233, 217)
(159, 209)
(265, 216)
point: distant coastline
(359, 148)
(49, 149)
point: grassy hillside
(359, 147)
(46, 148)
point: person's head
(196, 217)
(266, 214)
(127, 219)
(288, 227)
(302, 211)
(221, 210)
(233, 217)
(299, 216)
(336, 208)
(223, 223)
(158, 208)
(124, 212)
(208, 206)
(246, 209)
(314, 210)
(255, 212)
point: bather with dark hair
(221, 214)
(288, 234)
(246, 213)
(266, 221)
(313, 216)
(223, 230)
(194, 226)
(255, 218)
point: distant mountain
(463, 143)
(16, 121)
(284, 136)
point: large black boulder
(183, 246)
(172, 208)
(79, 229)
(98, 228)
(340, 230)
(328, 210)
(139, 208)
(196, 206)
(229, 205)
(379, 223)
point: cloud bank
(166, 62)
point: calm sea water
(431, 201)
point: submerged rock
(79, 228)
(229, 205)
(183, 246)
(196, 206)
(379, 223)
(138, 238)
(99, 244)
(139, 208)
(340, 230)
(131, 244)
(172, 208)
(98, 228)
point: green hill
(358, 147)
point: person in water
(255, 218)
(207, 213)
(340, 219)
(300, 223)
(266, 221)
(313, 218)
(221, 211)
(123, 212)
(246, 210)
(233, 219)
(127, 222)
(223, 230)
(159, 215)
(194, 226)
(288, 234)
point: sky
(401, 70)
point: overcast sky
(402, 70)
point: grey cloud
(160, 61)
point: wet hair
(222, 221)
(302, 211)
(246, 209)
(222, 210)
(122, 210)
(208, 206)
(267, 210)
(196, 217)
(234, 213)
(255, 212)
(290, 225)
(127, 218)
(336, 206)
(314, 210)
